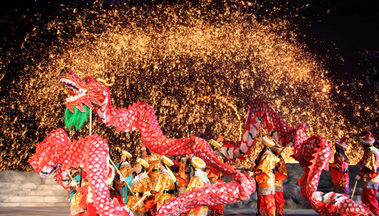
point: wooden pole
(72, 179)
(139, 201)
(121, 175)
(355, 186)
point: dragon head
(88, 91)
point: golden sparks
(170, 55)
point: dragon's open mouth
(75, 91)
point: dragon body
(313, 153)
(57, 152)
(95, 93)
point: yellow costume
(182, 175)
(153, 160)
(165, 185)
(141, 184)
(265, 177)
(198, 180)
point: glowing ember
(170, 56)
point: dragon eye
(86, 80)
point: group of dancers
(155, 180)
(145, 187)
(368, 171)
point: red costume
(369, 174)
(280, 175)
(339, 169)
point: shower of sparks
(169, 55)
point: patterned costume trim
(278, 189)
(370, 185)
(266, 191)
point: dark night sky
(339, 31)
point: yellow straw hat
(267, 142)
(276, 148)
(127, 154)
(215, 144)
(167, 161)
(368, 139)
(143, 162)
(197, 163)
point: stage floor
(65, 211)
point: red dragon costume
(313, 154)
(57, 152)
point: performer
(215, 177)
(182, 175)
(75, 197)
(339, 169)
(368, 173)
(165, 185)
(265, 176)
(199, 179)
(82, 201)
(280, 175)
(121, 189)
(153, 160)
(141, 185)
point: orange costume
(120, 190)
(141, 184)
(199, 179)
(280, 175)
(265, 177)
(339, 169)
(215, 177)
(369, 173)
(165, 184)
(153, 160)
(182, 175)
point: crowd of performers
(155, 180)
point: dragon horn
(105, 82)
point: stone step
(33, 199)
(50, 181)
(48, 193)
(33, 204)
(50, 187)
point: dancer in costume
(164, 187)
(182, 174)
(199, 180)
(280, 175)
(153, 160)
(339, 169)
(141, 185)
(76, 197)
(215, 177)
(121, 189)
(368, 173)
(265, 177)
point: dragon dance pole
(69, 175)
(121, 175)
(139, 201)
(355, 185)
